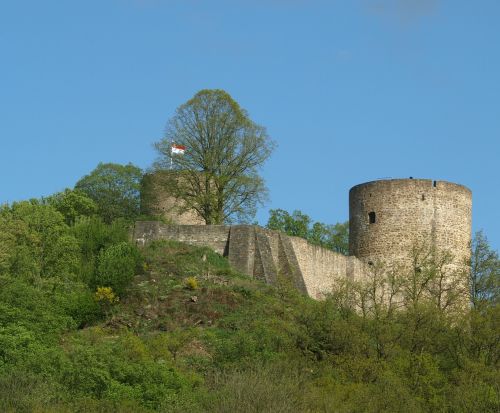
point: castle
(387, 219)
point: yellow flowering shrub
(192, 283)
(105, 295)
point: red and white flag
(180, 149)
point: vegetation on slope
(189, 334)
(89, 323)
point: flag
(180, 149)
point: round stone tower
(388, 218)
(156, 200)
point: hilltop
(190, 334)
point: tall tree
(35, 241)
(218, 174)
(115, 189)
(72, 204)
(485, 272)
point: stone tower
(156, 200)
(387, 218)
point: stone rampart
(320, 267)
(213, 236)
(263, 254)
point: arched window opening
(371, 217)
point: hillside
(190, 334)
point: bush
(106, 295)
(116, 267)
(78, 302)
(192, 283)
(94, 235)
(262, 388)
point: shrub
(106, 295)
(116, 267)
(78, 302)
(192, 283)
(94, 235)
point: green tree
(35, 241)
(338, 237)
(485, 272)
(298, 224)
(115, 189)
(72, 204)
(295, 224)
(218, 175)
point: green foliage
(35, 242)
(25, 391)
(179, 259)
(94, 236)
(116, 267)
(77, 301)
(225, 150)
(298, 224)
(240, 345)
(115, 190)
(485, 274)
(72, 204)
(47, 308)
(261, 388)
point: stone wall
(213, 236)
(263, 254)
(388, 218)
(320, 267)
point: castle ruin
(387, 219)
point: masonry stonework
(156, 200)
(388, 218)
(263, 254)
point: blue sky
(351, 90)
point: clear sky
(351, 90)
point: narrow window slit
(372, 217)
